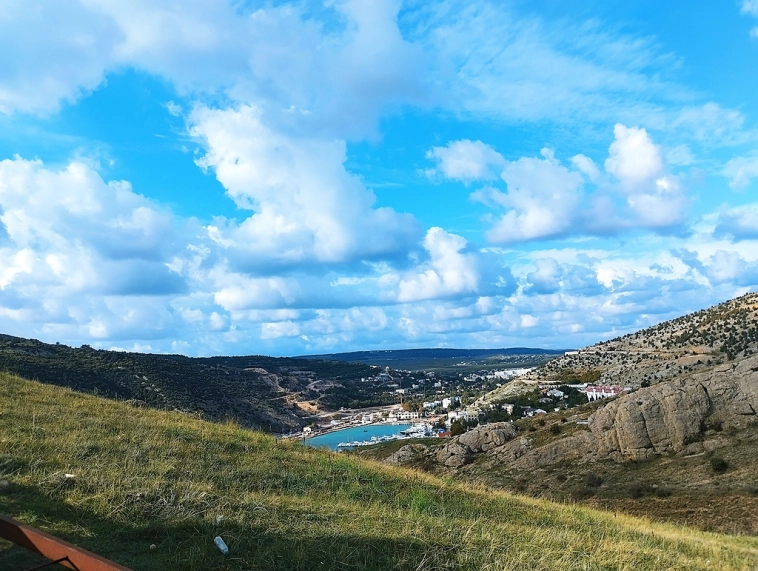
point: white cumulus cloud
(451, 271)
(306, 205)
(467, 160)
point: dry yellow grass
(143, 477)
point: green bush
(456, 428)
(592, 480)
(719, 465)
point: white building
(595, 392)
(446, 402)
(460, 415)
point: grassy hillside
(152, 489)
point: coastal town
(435, 405)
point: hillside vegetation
(151, 490)
(687, 344)
(256, 391)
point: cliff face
(685, 415)
(672, 416)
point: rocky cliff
(677, 415)
(685, 415)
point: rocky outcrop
(670, 416)
(461, 449)
(487, 437)
(408, 454)
(686, 415)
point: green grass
(146, 478)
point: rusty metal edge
(54, 548)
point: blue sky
(236, 177)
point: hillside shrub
(592, 480)
(583, 492)
(456, 428)
(634, 491)
(719, 465)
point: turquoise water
(361, 433)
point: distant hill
(687, 344)
(256, 391)
(152, 489)
(415, 359)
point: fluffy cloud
(726, 267)
(551, 277)
(74, 244)
(654, 196)
(546, 199)
(337, 68)
(467, 160)
(751, 7)
(60, 50)
(542, 200)
(633, 158)
(307, 206)
(450, 271)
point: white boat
(417, 430)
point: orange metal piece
(55, 549)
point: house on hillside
(595, 392)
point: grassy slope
(146, 477)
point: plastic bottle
(221, 545)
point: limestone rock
(461, 449)
(454, 455)
(669, 416)
(487, 437)
(408, 453)
(512, 451)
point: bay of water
(360, 433)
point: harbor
(367, 435)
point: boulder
(454, 454)
(460, 450)
(408, 453)
(487, 437)
(512, 451)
